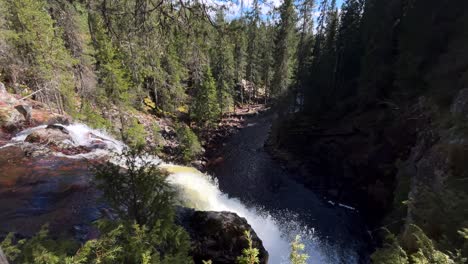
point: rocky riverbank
(45, 178)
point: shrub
(189, 144)
(139, 191)
(296, 256)
(120, 242)
(92, 117)
(249, 254)
(135, 134)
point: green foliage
(138, 192)
(283, 49)
(134, 134)
(45, 62)
(296, 256)
(40, 249)
(91, 117)
(144, 233)
(391, 252)
(414, 247)
(222, 64)
(189, 143)
(249, 254)
(112, 75)
(205, 107)
(120, 242)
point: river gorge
(40, 185)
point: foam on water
(201, 192)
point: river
(39, 186)
(332, 233)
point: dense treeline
(394, 54)
(167, 54)
(185, 57)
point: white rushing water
(201, 192)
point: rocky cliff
(399, 165)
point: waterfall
(201, 192)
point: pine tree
(266, 56)
(283, 49)
(239, 39)
(252, 67)
(112, 76)
(205, 107)
(305, 43)
(46, 64)
(223, 65)
(349, 49)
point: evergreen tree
(305, 43)
(266, 56)
(112, 76)
(239, 40)
(205, 107)
(296, 256)
(349, 50)
(283, 49)
(140, 193)
(46, 65)
(249, 254)
(223, 62)
(252, 67)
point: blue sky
(234, 6)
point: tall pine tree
(283, 49)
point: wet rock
(25, 110)
(218, 236)
(52, 136)
(9, 116)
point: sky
(233, 7)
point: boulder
(219, 236)
(52, 135)
(25, 110)
(9, 116)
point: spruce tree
(305, 45)
(349, 49)
(46, 64)
(205, 108)
(223, 64)
(112, 76)
(283, 49)
(252, 67)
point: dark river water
(39, 187)
(250, 174)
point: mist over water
(276, 228)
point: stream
(40, 185)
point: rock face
(353, 156)
(49, 135)
(16, 114)
(219, 236)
